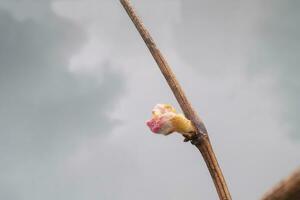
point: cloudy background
(77, 85)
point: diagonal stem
(165, 69)
(201, 139)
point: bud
(165, 121)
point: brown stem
(287, 189)
(201, 139)
(215, 171)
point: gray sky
(77, 85)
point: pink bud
(154, 125)
(161, 119)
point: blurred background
(77, 85)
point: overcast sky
(77, 85)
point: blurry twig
(200, 139)
(287, 189)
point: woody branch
(200, 139)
